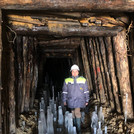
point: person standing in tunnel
(75, 95)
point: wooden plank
(34, 84)
(66, 41)
(19, 76)
(5, 91)
(74, 18)
(67, 31)
(99, 75)
(25, 40)
(60, 46)
(63, 5)
(111, 72)
(29, 66)
(86, 64)
(34, 79)
(120, 48)
(106, 74)
(41, 21)
(58, 50)
(131, 56)
(94, 68)
(101, 69)
(0, 72)
(24, 19)
(58, 55)
(63, 43)
(12, 122)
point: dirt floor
(28, 121)
(114, 122)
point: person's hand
(86, 103)
(65, 103)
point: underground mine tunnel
(39, 44)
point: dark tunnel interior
(55, 70)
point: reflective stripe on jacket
(75, 92)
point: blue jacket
(75, 92)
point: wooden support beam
(45, 20)
(0, 73)
(67, 47)
(12, 122)
(111, 72)
(66, 41)
(41, 21)
(58, 55)
(34, 80)
(67, 31)
(29, 69)
(74, 5)
(120, 49)
(58, 50)
(90, 50)
(101, 67)
(106, 74)
(19, 76)
(60, 44)
(99, 75)
(24, 46)
(86, 64)
(131, 56)
(34, 85)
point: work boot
(78, 125)
(74, 122)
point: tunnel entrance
(39, 48)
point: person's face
(75, 73)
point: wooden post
(93, 64)
(99, 78)
(131, 56)
(74, 42)
(106, 73)
(0, 73)
(120, 49)
(101, 69)
(86, 64)
(34, 73)
(12, 123)
(34, 84)
(25, 40)
(111, 72)
(29, 65)
(19, 75)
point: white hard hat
(74, 67)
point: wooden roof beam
(61, 42)
(73, 5)
(66, 46)
(58, 55)
(58, 50)
(68, 31)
